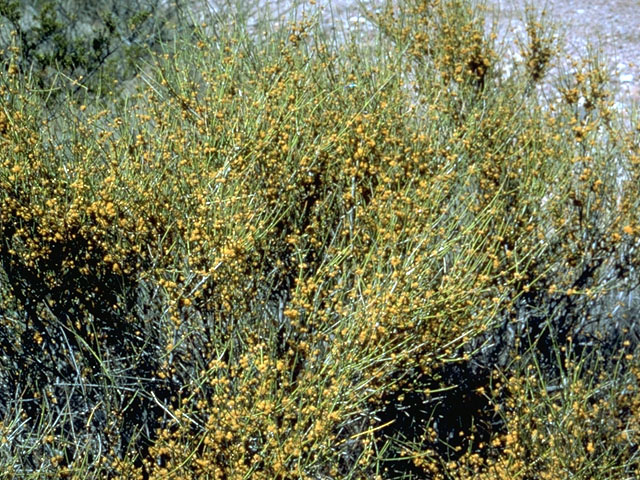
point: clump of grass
(254, 265)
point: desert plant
(278, 255)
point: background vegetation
(232, 249)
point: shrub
(80, 48)
(285, 257)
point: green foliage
(77, 47)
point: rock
(626, 78)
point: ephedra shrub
(283, 252)
(562, 180)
